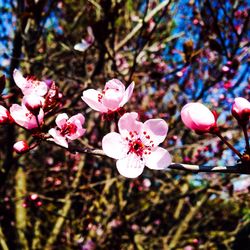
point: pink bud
(198, 117)
(33, 103)
(21, 147)
(241, 109)
(4, 115)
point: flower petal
(128, 94)
(116, 85)
(57, 138)
(61, 119)
(158, 159)
(128, 123)
(76, 117)
(20, 81)
(154, 131)
(90, 96)
(114, 145)
(112, 99)
(131, 166)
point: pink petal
(155, 131)
(114, 146)
(130, 166)
(112, 99)
(115, 84)
(24, 118)
(128, 123)
(39, 87)
(61, 119)
(158, 159)
(57, 138)
(20, 81)
(128, 94)
(76, 117)
(90, 96)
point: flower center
(136, 145)
(68, 129)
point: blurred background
(176, 52)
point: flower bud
(198, 117)
(21, 147)
(241, 110)
(32, 103)
(4, 115)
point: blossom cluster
(135, 144)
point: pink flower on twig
(67, 128)
(113, 97)
(136, 145)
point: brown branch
(240, 168)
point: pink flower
(67, 129)
(198, 117)
(113, 97)
(21, 147)
(4, 115)
(241, 109)
(23, 117)
(137, 145)
(29, 85)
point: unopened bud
(241, 110)
(4, 115)
(21, 147)
(33, 103)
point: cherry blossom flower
(21, 147)
(4, 115)
(112, 98)
(67, 128)
(198, 117)
(23, 117)
(241, 109)
(30, 85)
(136, 145)
(87, 42)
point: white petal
(158, 159)
(90, 96)
(128, 123)
(154, 131)
(114, 146)
(128, 94)
(20, 81)
(131, 166)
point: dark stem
(244, 128)
(228, 144)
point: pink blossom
(4, 115)
(241, 109)
(113, 97)
(23, 117)
(137, 145)
(67, 129)
(198, 117)
(30, 85)
(21, 147)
